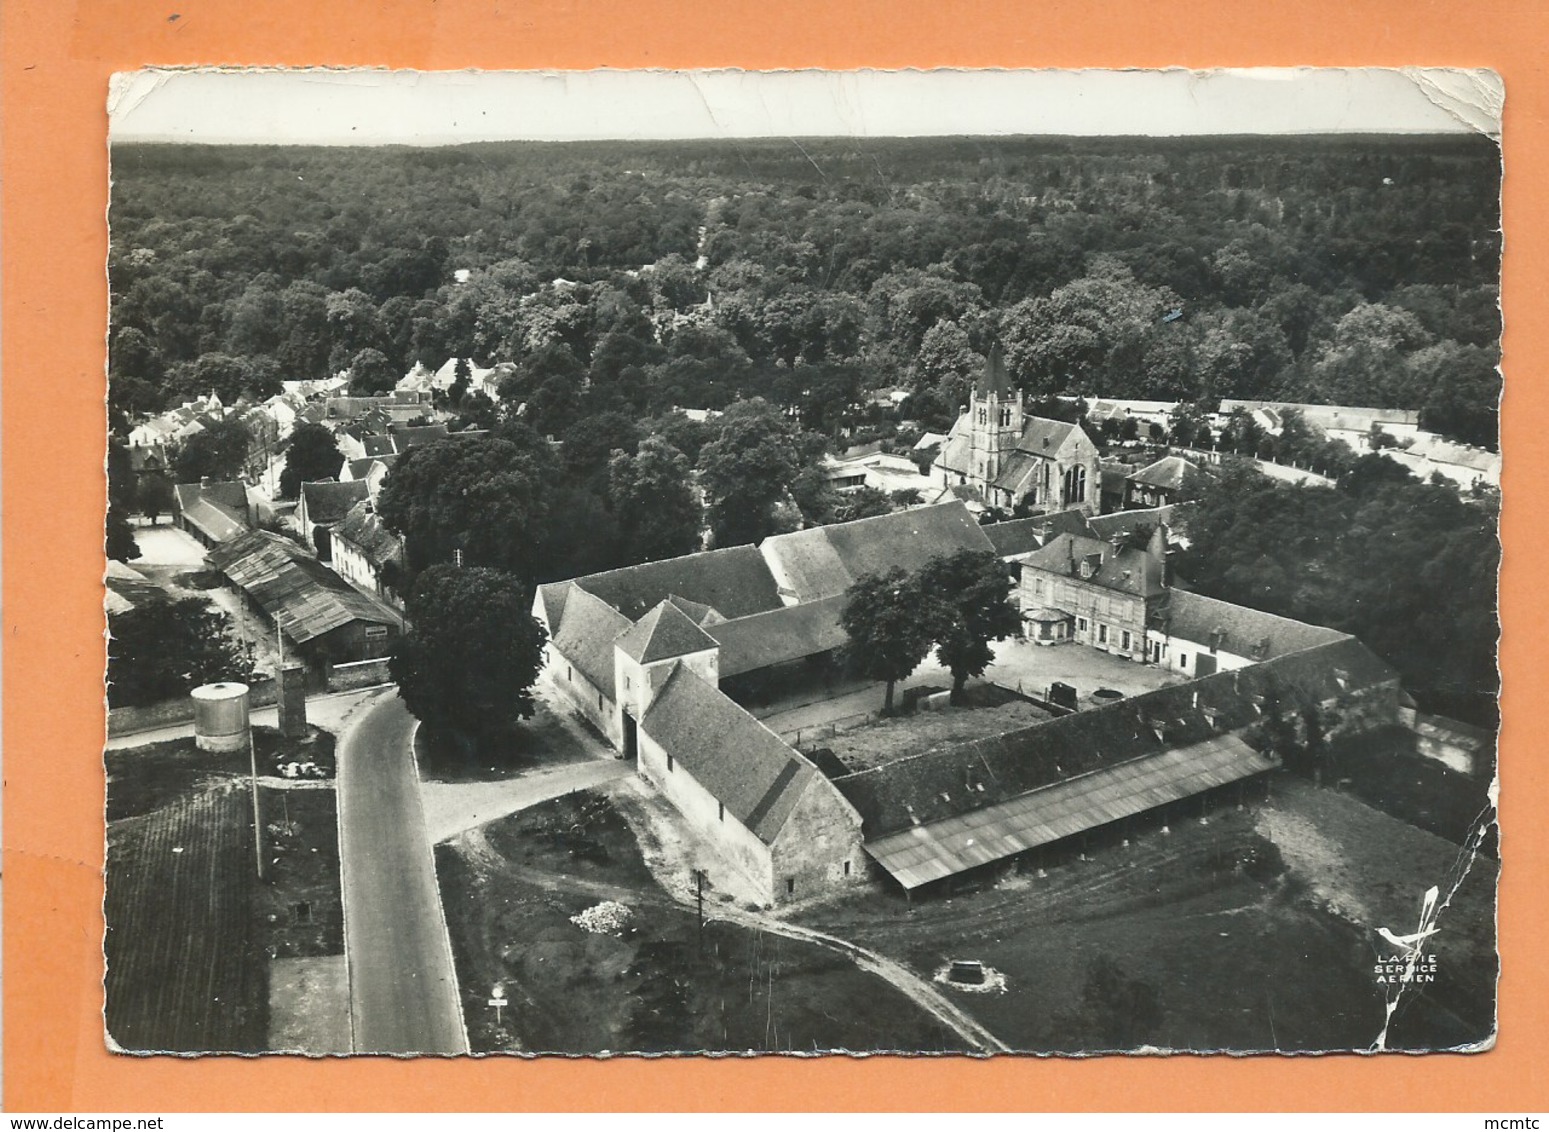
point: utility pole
(258, 828)
(699, 892)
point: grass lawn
(991, 711)
(543, 740)
(510, 890)
(1207, 937)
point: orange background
(57, 58)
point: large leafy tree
(218, 451)
(160, 651)
(469, 662)
(371, 373)
(970, 593)
(888, 621)
(484, 496)
(746, 470)
(313, 455)
(652, 494)
(119, 542)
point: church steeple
(993, 382)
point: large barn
(649, 653)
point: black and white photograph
(802, 563)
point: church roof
(1043, 437)
(663, 633)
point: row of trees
(1303, 269)
(1406, 566)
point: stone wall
(737, 849)
(819, 847)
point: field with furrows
(185, 964)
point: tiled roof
(1122, 523)
(663, 633)
(822, 562)
(905, 538)
(698, 612)
(379, 445)
(737, 759)
(1043, 437)
(148, 458)
(585, 636)
(789, 633)
(415, 436)
(328, 501)
(1016, 469)
(360, 469)
(736, 581)
(1168, 472)
(1242, 631)
(1128, 570)
(363, 528)
(1015, 536)
(219, 510)
(807, 564)
(954, 780)
(305, 598)
(551, 598)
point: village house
(322, 506)
(212, 512)
(1015, 460)
(1158, 484)
(367, 554)
(1094, 591)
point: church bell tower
(995, 410)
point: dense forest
(641, 276)
(783, 280)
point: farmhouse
(661, 658)
(1015, 460)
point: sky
(364, 107)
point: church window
(1075, 484)
(983, 416)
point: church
(1015, 460)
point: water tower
(221, 717)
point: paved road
(453, 807)
(329, 710)
(403, 988)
